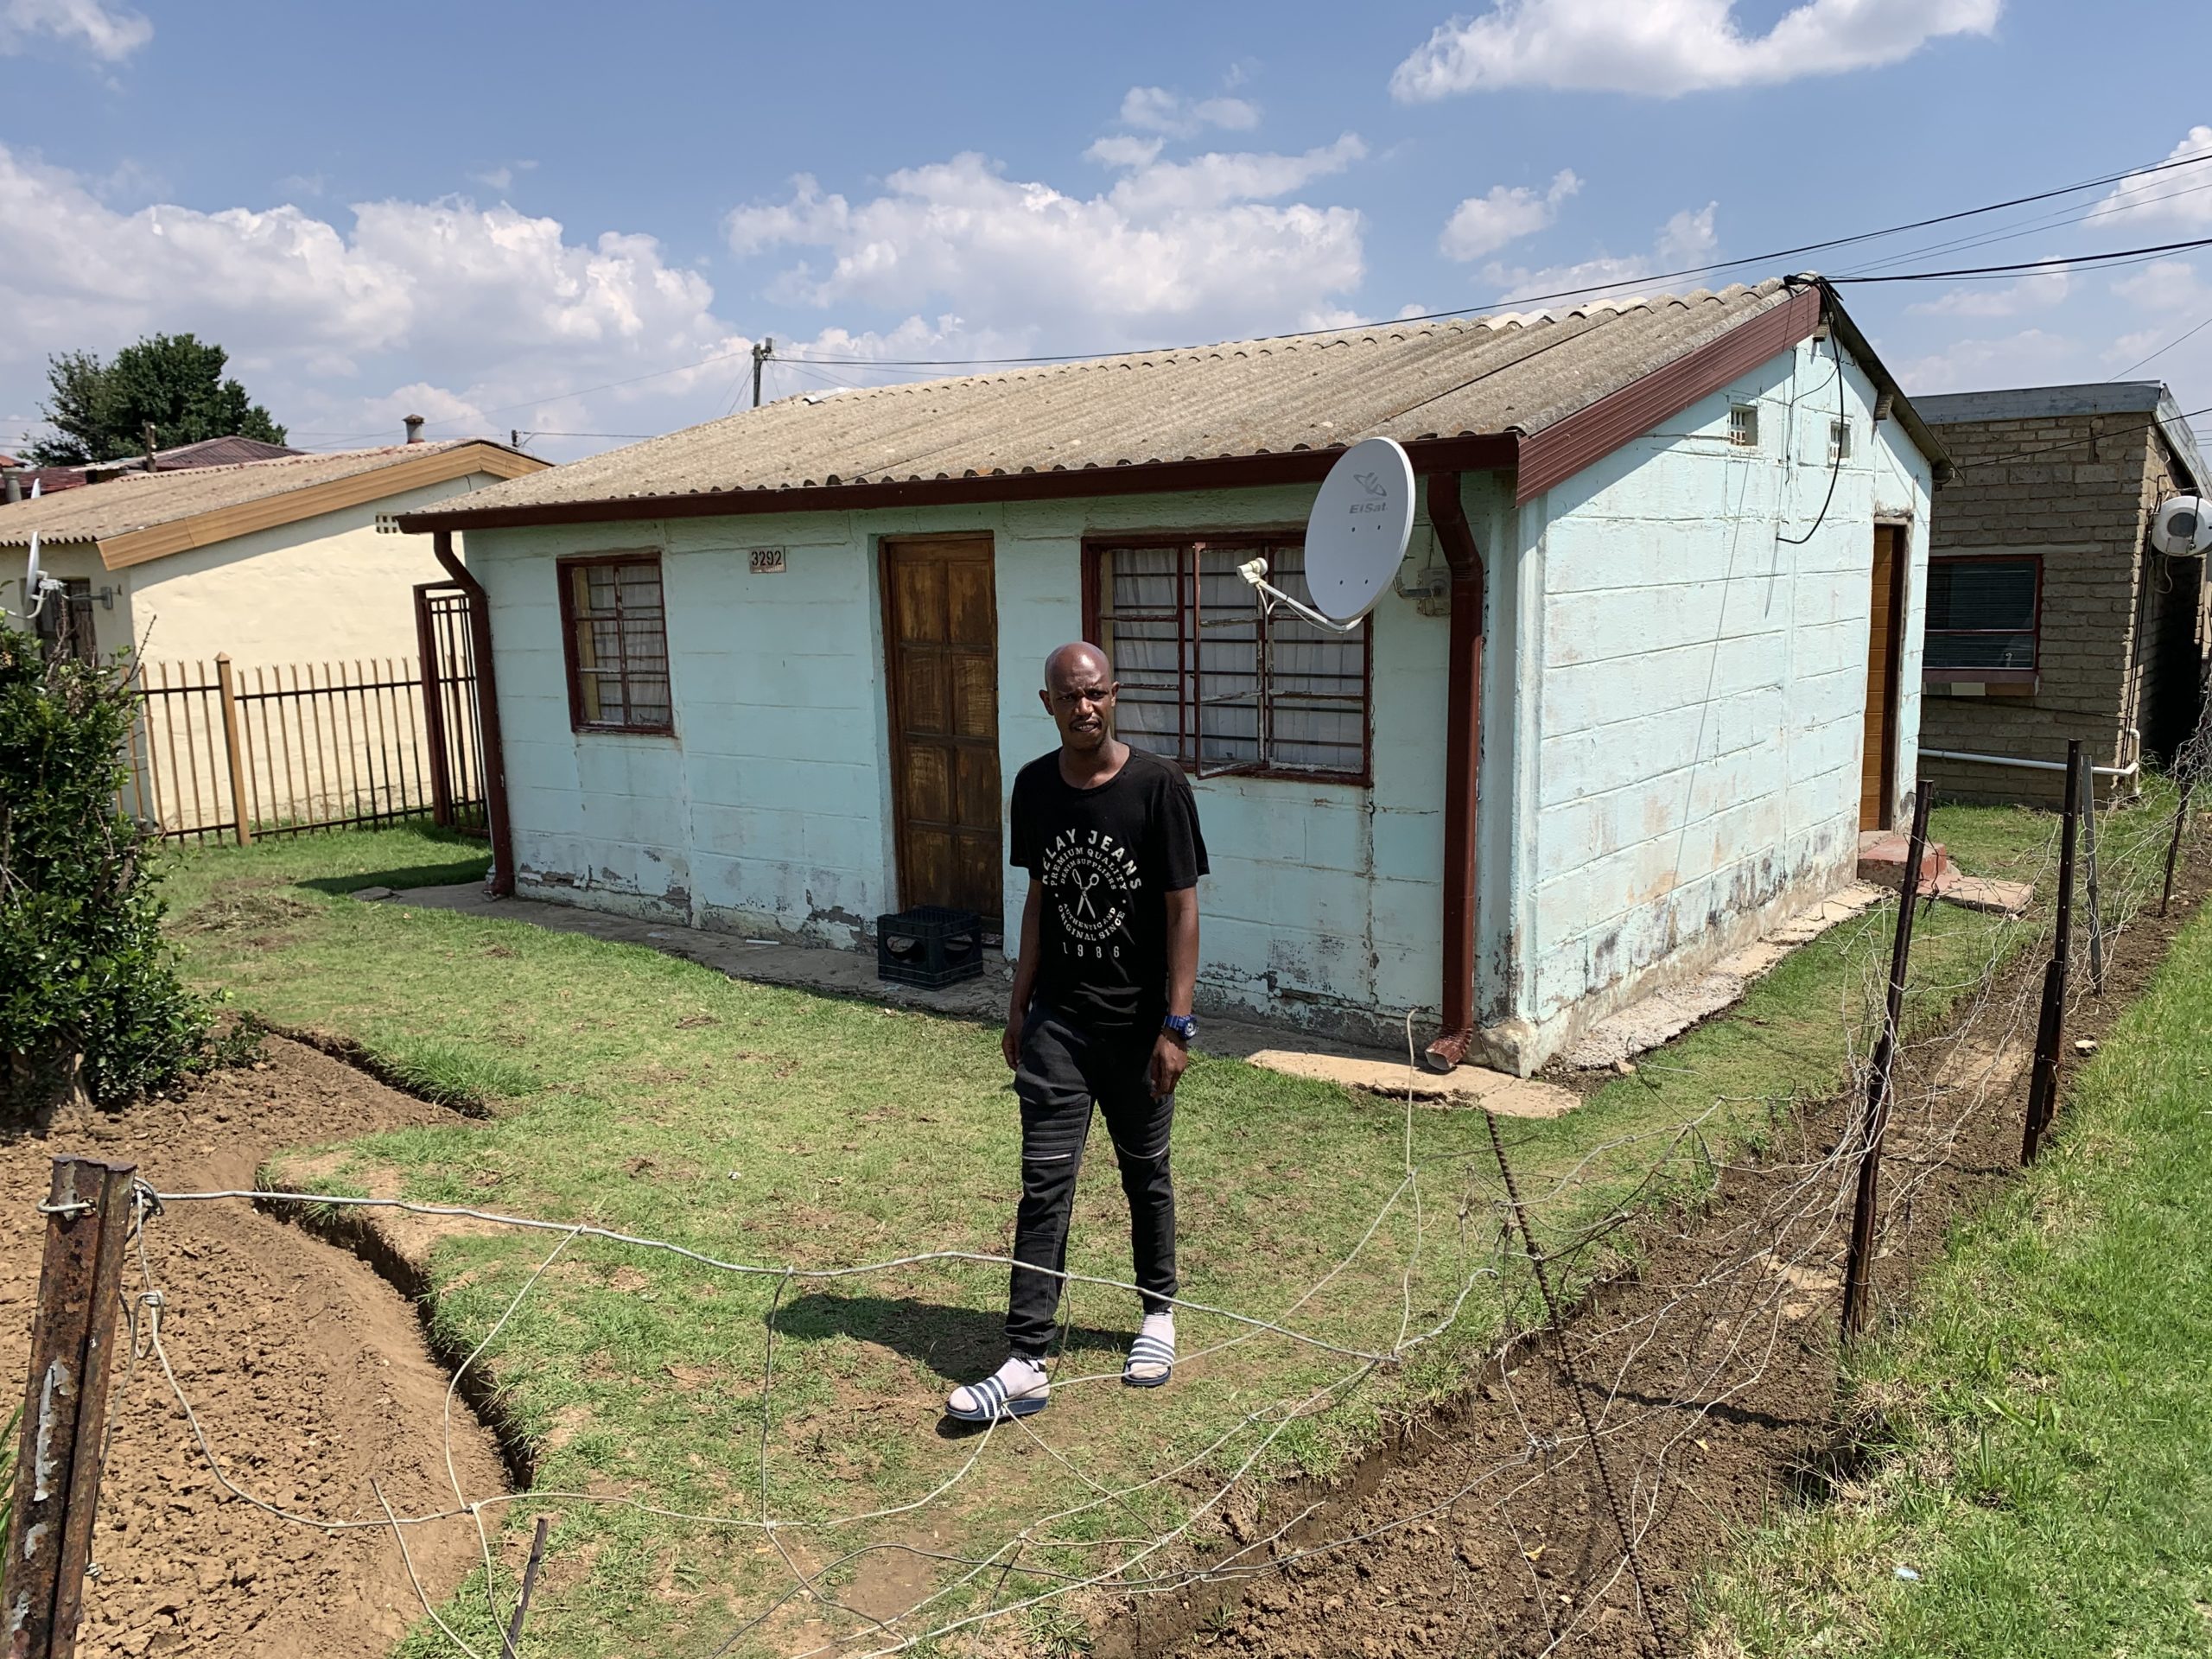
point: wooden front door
(1884, 652)
(941, 637)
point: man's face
(1080, 695)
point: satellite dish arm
(1254, 571)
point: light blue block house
(1650, 669)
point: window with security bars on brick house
(614, 629)
(1984, 614)
(1211, 679)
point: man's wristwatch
(1181, 1027)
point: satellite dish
(1355, 536)
(36, 584)
(2181, 526)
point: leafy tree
(174, 380)
(88, 990)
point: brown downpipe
(1463, 742)
(487, 714)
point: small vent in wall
(387, 523)
(1743, 426)
(1840, 440)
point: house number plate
(767, 561)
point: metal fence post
(2050, 1029)
(2089, 853)
(233, 747)
(65, 1406)
(1859, 1263)
(2173, 847)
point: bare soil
(310, 1375)
(1712, 1374)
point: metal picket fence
(225, 753)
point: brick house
(2049, 617)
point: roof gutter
(1463, 740)
(487, 714)
(1429, 456)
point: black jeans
(1063, 1071)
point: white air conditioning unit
(2181, 526)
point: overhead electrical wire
(866, 363)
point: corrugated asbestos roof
(140, 500)
(1479, 377)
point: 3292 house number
(767, 561)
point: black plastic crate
(930, 945)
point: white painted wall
(1692, 688)
(1671, 720)
(770, 810)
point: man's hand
(1010, 1042)
(1169, 1058)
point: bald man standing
(1100, 1014)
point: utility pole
(149, 429)
(761, 353)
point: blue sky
(487, 213)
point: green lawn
(652, 1095)
(2044, 1426)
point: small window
(1983, 615)
(615, 631)
(1840, 440)
(1209, 678)
(1744, 425)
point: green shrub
(83, 972)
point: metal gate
(455, 728)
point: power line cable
(1426, 316)
(2164, 349)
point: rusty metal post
(2173, 846)
(2089, 854)
(2050, 1029)
(1858, 1265)
(513, 1642)
(233, 747)
(65, 1406)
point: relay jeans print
(1064, 1072)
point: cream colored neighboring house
(276, 563)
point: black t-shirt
(1106, 857)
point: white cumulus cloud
(2180, 197)
(109, 32)
(1687, 239)
(1154, 109)
(2165, 286)
(1189, 248)
(1483, 224)
(2037, 292)
(1666, 47)
(333, 326)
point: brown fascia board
(222, 523)
(1472, 454)
(1566, 447)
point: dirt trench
(1711, 1372)
(311, 1376)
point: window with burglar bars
(1210, 679)
(64, 621)
(615, 631)
(1984, 615)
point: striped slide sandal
(1151, 1362)
(990, 1400)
